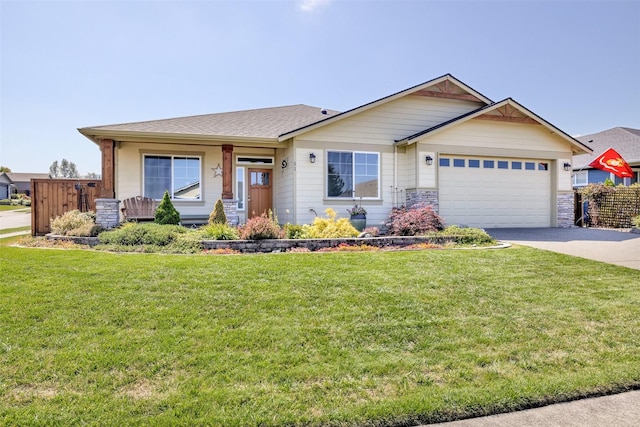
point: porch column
(227, 172)
(107, 147)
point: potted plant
(358, 217)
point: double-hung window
(353, 174)
(179, 175)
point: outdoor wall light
(429, 160)
(567, 166)
(312, 157)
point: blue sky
(66, 65)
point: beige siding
(394, 120)
(310, 187)
(373, 130)
(501, 139)
(283, 185)
(129, 173)
(512, 137)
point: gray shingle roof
(626, 141)
(26, 177)
(258, 123)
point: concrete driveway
(610, 246)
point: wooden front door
(260, 194)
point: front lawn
(374, 338)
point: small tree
(65, 169)
(5, 169)
(218, 216)
(166, 213)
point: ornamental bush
(292, 231)
(166, 213)
(130, 234)
(219, 232)
(218, 216)
(75, 223)
(417, 220)
(468, 235)
(260, 228)
(330, 227)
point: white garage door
(494, 192)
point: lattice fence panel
(614, 206)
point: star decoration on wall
(217, 171)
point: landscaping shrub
(75, 223)
(131, 234)
(218, 216)
(330, 228)
(166, 213)
(261, 227)
(292, 231)
(219, 232)
(468, 235)
(5, 202)
(417, 220)
(635, 221)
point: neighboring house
(477, 162)
(11, 182)
(5, 185)
(625, 141)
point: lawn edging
(282, 245)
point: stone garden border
(283, 245)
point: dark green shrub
(218, 216)
(166, 213)
(131, 234)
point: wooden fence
(53, 197)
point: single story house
(13, 182)
(477, 162)
(626, 142)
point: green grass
(12, 208)
(14, 230)
(381, 338)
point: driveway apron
(610, 246)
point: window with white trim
(179, 175)
(240, 189)
(353, 174)
(580, 178)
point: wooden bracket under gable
(507, 113)
(447, 90)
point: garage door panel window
(492, 164)
(353, 174)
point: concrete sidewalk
(619, 410)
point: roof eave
(95, 135)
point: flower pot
(359, 222)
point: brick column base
(107, 213)
(565, 205)
(231, 211)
